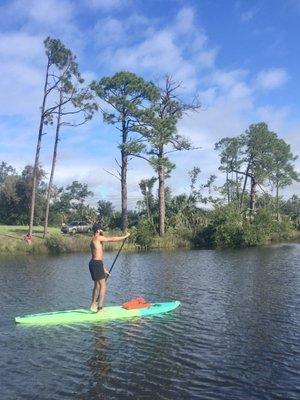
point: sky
(241, 58)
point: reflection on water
(99, 363)
(236, 335)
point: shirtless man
(98, 272)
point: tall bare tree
(60, 62)
(230, 158)
(73, 102)
(160, 131)
(127, 96)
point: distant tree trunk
(253, 196)
(147, 204)
(124, 192)
(37, 152)
(161, 195)
(227, 184)
(243, 192)
(124, 167)
(52, 169)
(277, 200)
(237, 188)
(244, 186)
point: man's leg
(106, 276)
(95, 295)
(102, 288)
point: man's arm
(113, 238)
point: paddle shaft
(120, 249)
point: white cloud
(206, 59)
(180, 49)
(39, 19)
(51, 11)
(45, 12)
(105, 5)
(184, 22)
(21, 90)
(109, 31)
(158, 51)
(274, 116)
(21, 83)
(20, 46)
(22, 63)
(248, 15)
(271, 78)
(89, 76)
(227, 79)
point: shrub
(228, 228)
(224, 229)
(143, 235)
(54, 243)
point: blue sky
(240, 57)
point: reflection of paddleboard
(84, 315)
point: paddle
(120, 249)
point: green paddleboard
(84, 315)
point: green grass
(170, 241)
(20, 231)
(12, 241)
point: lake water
(235, 336)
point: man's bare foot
(101, 310)
(93, 307)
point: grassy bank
(12, 241)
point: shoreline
(12, 242)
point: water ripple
(236, 335)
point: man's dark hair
(97, 227)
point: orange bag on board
(139, 302)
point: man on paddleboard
(97, 269)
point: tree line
(145, 116)
(188, 222)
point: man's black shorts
(97, 270)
